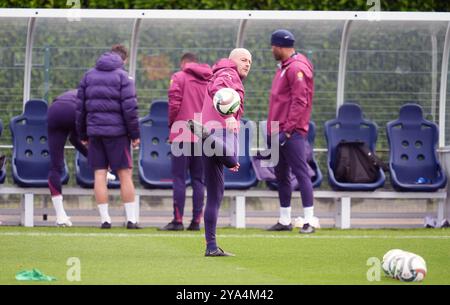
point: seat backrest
(31, 158)
(159, 110)
(349, 126)
(245, 177)
(155, 152)
(412, 141)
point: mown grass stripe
(182, 235)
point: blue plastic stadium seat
(155, 155)
(316, 180)
(245, 178)
(413, 160)
(3, 166)
(85, 174)
(30, 158)
(350, 126)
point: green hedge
(344, 5)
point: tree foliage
(332, 5)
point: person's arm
(130, 108)
(81, 111)
(297, 79)
(175, 95)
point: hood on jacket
(297, 57)
(200, 71)
(224, 63)
(109, 61)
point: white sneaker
(64, 222)
(110, 177)
(300, 221)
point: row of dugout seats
(412, 141)
(412, 148)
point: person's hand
(85, 142)
(236, 168)
(282, 138)
(231, 124)
(135, 143)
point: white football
(227, 101)
(388, 258)
(404, 266)
(414, 268)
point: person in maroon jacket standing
(290, 106)
(221, 132)
(107, 116)
(186, 93)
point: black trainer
(172, 226)
(307, 229)
(279, 227)
(198, 129)
(105, 225)
(131, 225)
(194, 226)
(217, 252)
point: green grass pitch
(147, 256)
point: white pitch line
(271, 236)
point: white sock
(103, 209)
(309, 214)
(59, 208)
(130, 210)
(285, 216)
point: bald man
(227, 73)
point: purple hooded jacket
(108, 105)
(186, 94)
(225, 75)
(291, 96)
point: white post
(237, 212)
(137, 201)
(28, 60)
(343, 213)
(443, 88)
(445, 161)
(134, 46)
(345, 38)
(440, 211)
(27, 210)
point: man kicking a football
(227, 73)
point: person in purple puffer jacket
(107, 121)
(186, 93)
